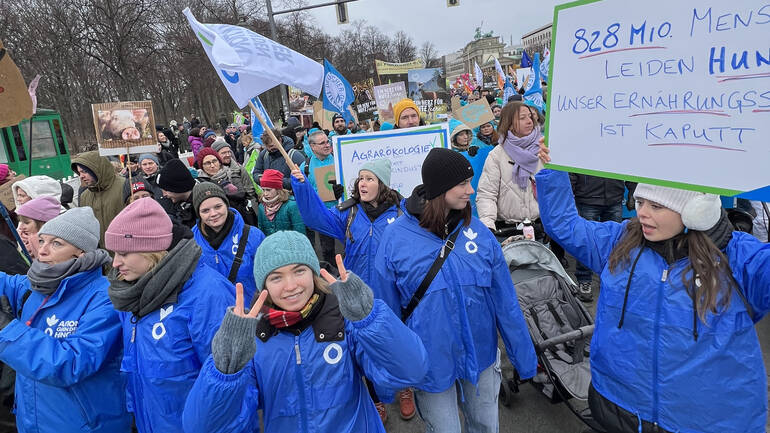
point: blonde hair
(153, 257)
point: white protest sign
(673, 93)
(386, 96)
(405, 148)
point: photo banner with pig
(249, 64)
(668, 93)
(125, 128)
(405, 148)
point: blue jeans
(439, 410)
(596, 213)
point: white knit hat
(699, 211)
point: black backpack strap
(448, 246)
(23, 301)
(307, 166)
(239, 254)
(351, 217)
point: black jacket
(599, 191)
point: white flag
(479, 75)
(250, 64)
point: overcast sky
(449, 28)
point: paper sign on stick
(387, 96)
(476, 114)
(322, 177)
(15, 102)
(6, 194)
(125, 127)
(671, 93)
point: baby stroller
(559, 324)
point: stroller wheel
(505, 395)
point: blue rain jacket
(359, 254)
(653, 366)
(67, 360)
(164, 350)
(304, 385)
(471, 298)
(221, 259)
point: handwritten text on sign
(673, 91)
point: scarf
(523, 152)
(215, 239)
(284, 319)
(45, 279)
(222, 176)
(271, 206)
(159, 286)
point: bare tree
(428, 54)
(403, 47)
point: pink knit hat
(4, 171)
(143, 226)
(40, 209)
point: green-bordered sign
(674, 93)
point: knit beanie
(271, 179)
(150, 156)
(4, 171)
(380, 168)
(281, 249)
(403, 105)
(206, 151)
(142, 227)
(78, 226)
(699, 211)
(442, 170)
(40, 209)
(337, 116)
(137, 184)
(209, 133)
(175, 177)
(205, 190)
(219, 143)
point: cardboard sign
(324, 117)
(405, 148)
(456, 104)
(125, 127)
(6, 193)
(387, 96)
(15, 102)
(476, 114)
(427, 88)
(322, 177)
(671, 93)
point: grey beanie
(281, 249)
(219, 143)
(206, 190)
(77, 226)
(380, 168)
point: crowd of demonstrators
(278, 209)
(271, 157)
(237, 175)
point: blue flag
(508, 90)
(545, 65)
(526, 62)
(256, 125)
(337, 92)
(534, 94)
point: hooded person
(195, 141)
(228, 244)
(474, 150)
(277, 209)
(474, 276)
(170, 305)
(32, 187)
(61, 334)
(176, 184)
(104, 189)
(680, 294)
(312, 346)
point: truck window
(19, 143)
(5, 149)
(59, 137)
(43, 145)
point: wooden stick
(289, 162)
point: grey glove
(354, 296)
(235, 342)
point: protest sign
(475, 114)
(427, 87)
(125, 127)
(671, 93)
(6, 193)
(300, 103)
(388, 68)
(323, 117)
(456, 102)
(405, 148)
(386, 97)
(15, 101)
(364, 103)
(322, 177)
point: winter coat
(221, 259)
(275, 161)
(164, 350)
(599, 191)
(242, 180)
(67, 360)
(471, 298)
(106, 196)
(499, 197)
(196, 144)
(654, 366)
(314, 163)
(310, 382)
(366, 235)
(287, 218)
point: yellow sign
(387, 68)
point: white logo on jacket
(159, 329)
(235, 244)
(470, 246)
(337, 353)
(391, 219)
(64, 328)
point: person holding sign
(453, 289)
(170, 303)
(407, 114)
(321, 157)
(674, 347)
(313, 343)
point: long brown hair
(495, 136)
(706, 263)
(434, 216)
(510, 117)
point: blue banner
(526, 62)
(534, 94)
(256, 125)
(337, 92)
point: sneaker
(584, 292)
(406, 404)
(383, 411)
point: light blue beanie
(380, 168)
(78, 226)
(150, 156)
(281, 249)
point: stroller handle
(584, 331)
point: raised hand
(235, 343)
(337, 189)
(240, 310)
(297, 173)
(544, 152)
(340, 267)
(354, 296)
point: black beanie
(175, 177)
(442, 170)
(206, 190)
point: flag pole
(289, 162)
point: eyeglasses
(323, 143)
(211, 163)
